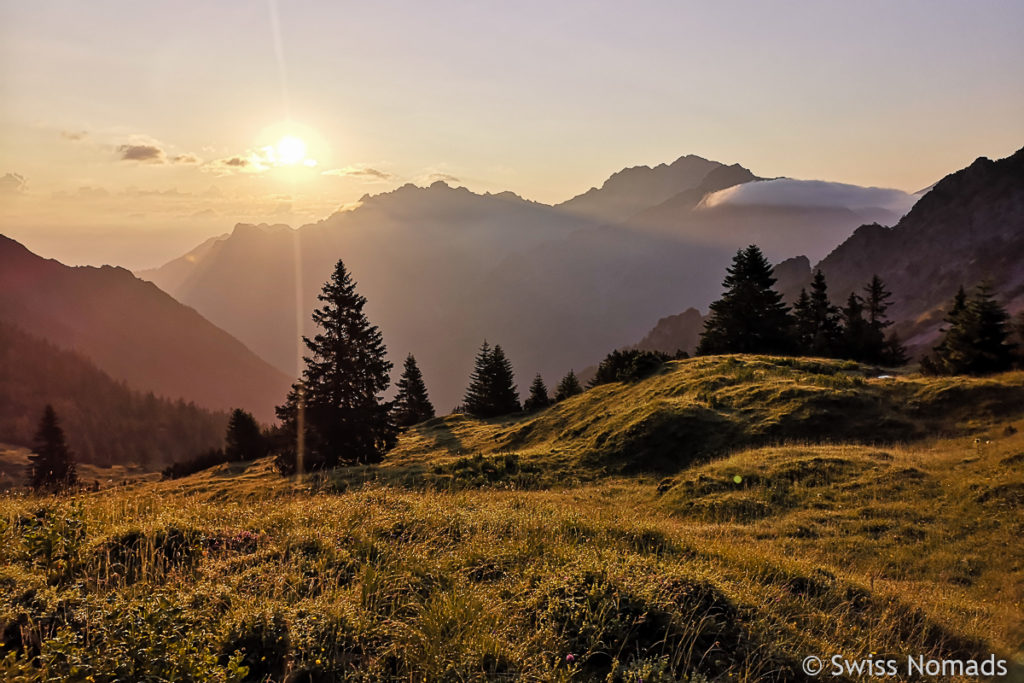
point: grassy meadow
(719, 521)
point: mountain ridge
(134, 331)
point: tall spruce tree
(538, 399)
(244, 440)
(492, 391)
(411, 405)
(803, 321)
(51, 465)
(751, 316)
(339, 397)
(817, 320)
(568, 387)
(994, 349)
(955, 350)
(878, 347)
(855, 328)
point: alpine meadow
(358, 343)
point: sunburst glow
(291, 150)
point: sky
(130, 131)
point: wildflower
(570, 659)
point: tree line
(335, 414)
(751, 317)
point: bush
(628, 366)
(211, 458)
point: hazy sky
(131, 130)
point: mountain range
(559, 286)
(134, 332)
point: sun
(290, 150)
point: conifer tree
(338, 400)
(954, 349)
(244, 440)
(51, 464)
(803, 321)
(538, 399)
(993, 348)
(817, 320)
(877, 347)
(977, 341)
(751, 316)
(855, 328)
(411, 405)
(492, 390)
(568, 386)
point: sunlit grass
(479, 560)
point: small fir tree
(244, 440)
(817, 320)
(492, 391)
(51, 465)
(411, 405)
(538, 399)
(855, 328)
(751, 316)
(879, 348)
(977, 341)
(568, 387)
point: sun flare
(291, 150)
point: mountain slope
(969, 227)
(134, 332)
(105, 422)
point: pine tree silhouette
(411, 404)
(751, 316)
(568, 386)
(338, 399)
(817, 320)
(51, 465)
(538, 399)
(492, 390)
(977, 341)
(879, 348)
(855, 328)
(244, 440)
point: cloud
(13, 183)
(89, 192)
(235, 162)
(791, 192)
(74, 135)
(442, 177)
(143, 153)
(186, 159)
(364, 172)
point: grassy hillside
(539, 548)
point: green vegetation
(774, 508)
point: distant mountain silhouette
(106, 423)
(443, 268)
(634, 189)
(134, 332)
(967, 228)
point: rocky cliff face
(968, 228)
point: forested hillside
(106, 422)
